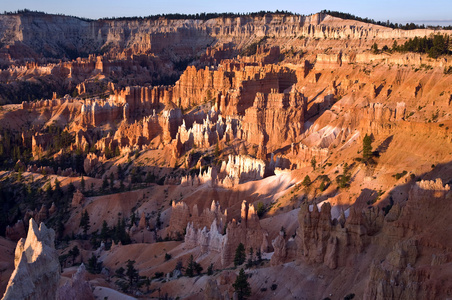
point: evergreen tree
(70, 189)
(260, 210)
(240, 255)
(198, 268)
(306, 181)
(119, 172)
(132, 273)
(58, 192)
(74, 252)
(112, 181)
(259, 255)
(94, 266)
(313, 162)
(210, 270)
(241, 286)
(105, 231)
(82, 184)
(322, 186)
(367, 148)
(104, 184)
(117, 151)
(84, 222)
(120, 272)
(133, 219)
(250, 263)
(150, 178)
(190, 270)
(343, 179)
(375, 48)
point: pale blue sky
(401, 11)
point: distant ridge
(207, 16)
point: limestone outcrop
(37, 268)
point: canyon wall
(142, 35)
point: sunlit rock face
(37, 268)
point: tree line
(434, 45)
(171, 16)
(407, 26)
(202, 16)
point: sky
(432, 12)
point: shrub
(167, 256)
(399, 175)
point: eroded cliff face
(407, 270)
(59, 34)
(37, 268)
(406, 257)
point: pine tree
(375, 48)
(259, 255)
(104, 184)
(367, 148)
(94, 266)
(322, 186)
(250, 262)
(74, 252)
(82, 184)
(240, 255)
(132, 273)
(58, 192)
(306, 181)
(260, 210)
(119, 171)
(210, 270)
(190, 270)
(104, 233)
(112, 182)
(198, 268)
(84, 222)
(313, 162)
(241, 286)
